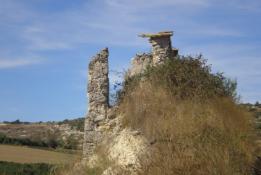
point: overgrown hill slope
(173, 119)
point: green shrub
(185, 78)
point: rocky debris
(123, 150)
(139, 63)
(127, 147)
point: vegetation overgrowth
(184, 78)
(191, 118)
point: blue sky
(45, 46)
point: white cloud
(142, 4)
(113, 22)
(14, 63)
(117, 23)
(246, 5)
(110, 22)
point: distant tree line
(77, 124)
(17, 122)
(51, 142)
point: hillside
(66, 134)
(41, 132)
(172, 115)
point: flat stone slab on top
(159, 34)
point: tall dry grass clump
(191, 120)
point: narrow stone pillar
(98, 93)
(161, 45)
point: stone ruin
(161, 46)
(161, 50)
(99, 112)
(98, 93)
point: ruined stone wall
(139, 64)
(98, 93)
(161, 48)
(102, 121)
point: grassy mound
(190, 117)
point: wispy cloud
(14, 63)
(245, 5)
(199, 23)
(115, 23)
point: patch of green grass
(21, 154)
(9, 168)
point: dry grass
(80, 167)
(190, 137)
(99, 164)
(29, 155)
(191, 120)
(77, 168)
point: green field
(21, 154)
(10, 168)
